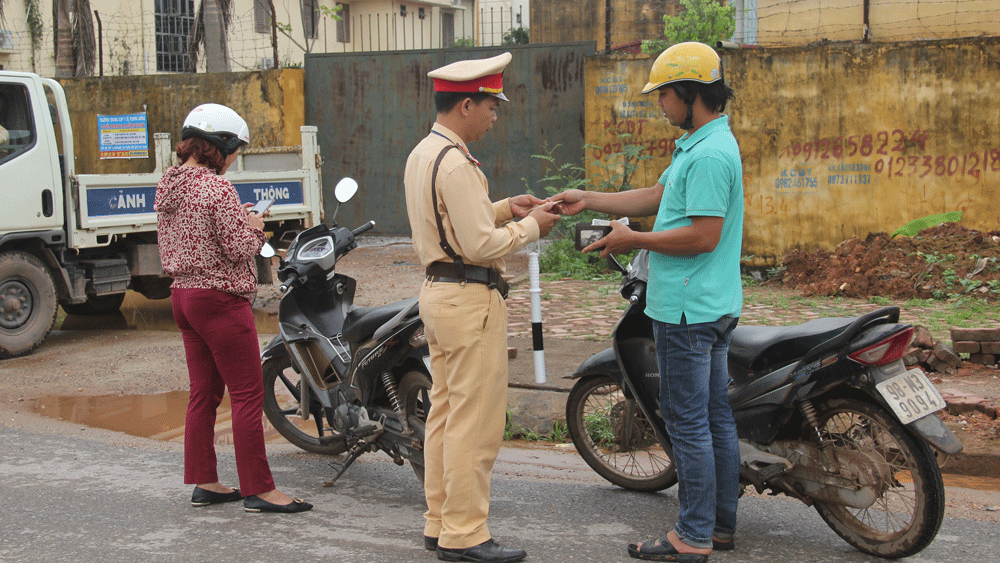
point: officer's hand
(522, 204)
(546, 218)
(569, 202)
(620, 240)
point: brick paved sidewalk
(588, 310)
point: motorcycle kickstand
(355, 452)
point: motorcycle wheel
(281, 403)
(906, 516)
(615, 438)
(415, 391)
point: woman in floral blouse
(208, 242)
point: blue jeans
(694, 376)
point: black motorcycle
(338, 377)
(826, 413)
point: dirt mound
(940, 262)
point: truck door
(30, 179)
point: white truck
(81, 240)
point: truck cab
(81, 240)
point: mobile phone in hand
(262, 206)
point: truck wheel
(96, 305)
(27, 303)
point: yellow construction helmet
(685, 61)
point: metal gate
(373, 108)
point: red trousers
(222, 350)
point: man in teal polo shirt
(694, 295)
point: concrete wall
(554, 21)
(272, 102)
(838, 140)
(798, 22)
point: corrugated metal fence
(373, 108)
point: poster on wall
(123, 136)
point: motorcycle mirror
(345, 190)
(267, 250)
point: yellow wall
(271, 101)
(838, 140)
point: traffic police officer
(461, 237)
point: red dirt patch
(940, 262)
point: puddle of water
(160, 416)
(137, 312)
(977, 483)
(963, 481)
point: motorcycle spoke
(319, 425)
(612, 435)
(292, 388)
(909, 505)
(282, 401)
(614, 444)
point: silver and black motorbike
(826, 412)
(339, 377)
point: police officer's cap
(477, 75)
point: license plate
(911, 395)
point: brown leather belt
(445, 272)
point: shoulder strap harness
(459, 265)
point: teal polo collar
(689, 140)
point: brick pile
(931, 355)
(981, 344)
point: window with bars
(310, 18)
(261, 16)
(344, 25)
(173, 20)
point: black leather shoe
(488, 552)
(430, 544)
(257, 504)
(203, 497)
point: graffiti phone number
(882, 143)
(971, 164)
(654, 147)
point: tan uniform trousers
(466, 328)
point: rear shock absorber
(809, 412)
(390, 389)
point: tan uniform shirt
(472, 223)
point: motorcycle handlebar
(363, 228)
(637, 292)
(292, 280)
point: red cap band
(492, 84)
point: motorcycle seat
(362, 322)
(760, 347)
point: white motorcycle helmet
(218, 125)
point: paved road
(68, 497)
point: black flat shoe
(256, 504)
(430, 544)
(488, 552)
(203, 497)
